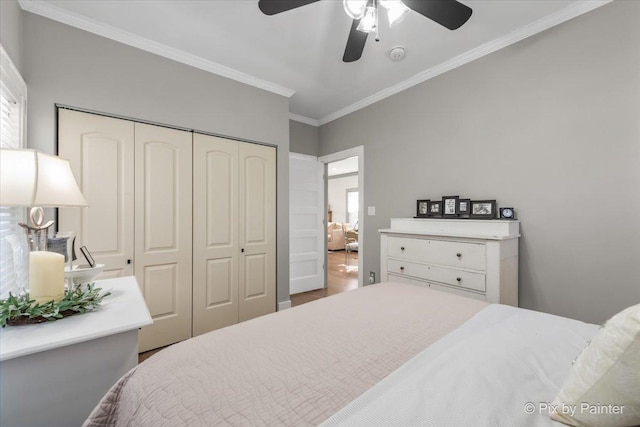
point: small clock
(507, 213)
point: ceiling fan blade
(355, 43)
(271, 7)
(448, 13)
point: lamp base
(37, 233)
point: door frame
(333, 157)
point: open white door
(306, 226)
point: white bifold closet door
(234, 232)
(192, 216)
(163, 245)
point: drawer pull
(401, 268)
(459, 279)
(459, 255)
(402, 248)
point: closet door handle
(242, 250)
(128, 261)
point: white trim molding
(303, 119)
(284, 305)
(78, 21)
(571, 11)
(11, 78)
(10, 74)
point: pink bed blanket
(296, 367)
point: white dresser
(472, 258)
(55, 373)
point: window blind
(11, 136)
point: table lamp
(37, 180)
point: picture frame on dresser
(464, 208)
(450, 206)
(483, 209)
(422, 208)
(435, 209)
(87, 256)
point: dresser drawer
(456, 278)
(437, 287)
(455, 254)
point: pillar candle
(46, 276)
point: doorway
(353, 206)
(342, 225)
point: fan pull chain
(375, 5)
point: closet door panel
(255, 201)
(220, 282)
(163, 232)
(161, 289)
(100, 150)
(160, 199)
(100, 180)
(257, 206)
(256, 276)
(215, 239)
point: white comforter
(293, 368)
(502, 367)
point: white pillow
(603, 387)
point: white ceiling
(299, 52)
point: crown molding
(303, 119)
(569, 12)
(49, 11)
(75, 20)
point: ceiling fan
(448, 13)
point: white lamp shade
(30, 178)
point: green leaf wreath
(21, 310)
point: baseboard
(284, 305)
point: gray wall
(11, 30)
(551, 126)
(73, 67)
(303, 138)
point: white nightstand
(55, 373)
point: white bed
(457, 362)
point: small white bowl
(83, 275)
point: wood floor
(341, 277)
(147, 354)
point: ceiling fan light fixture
(355, 8)
(369, 21)
(396, 10)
